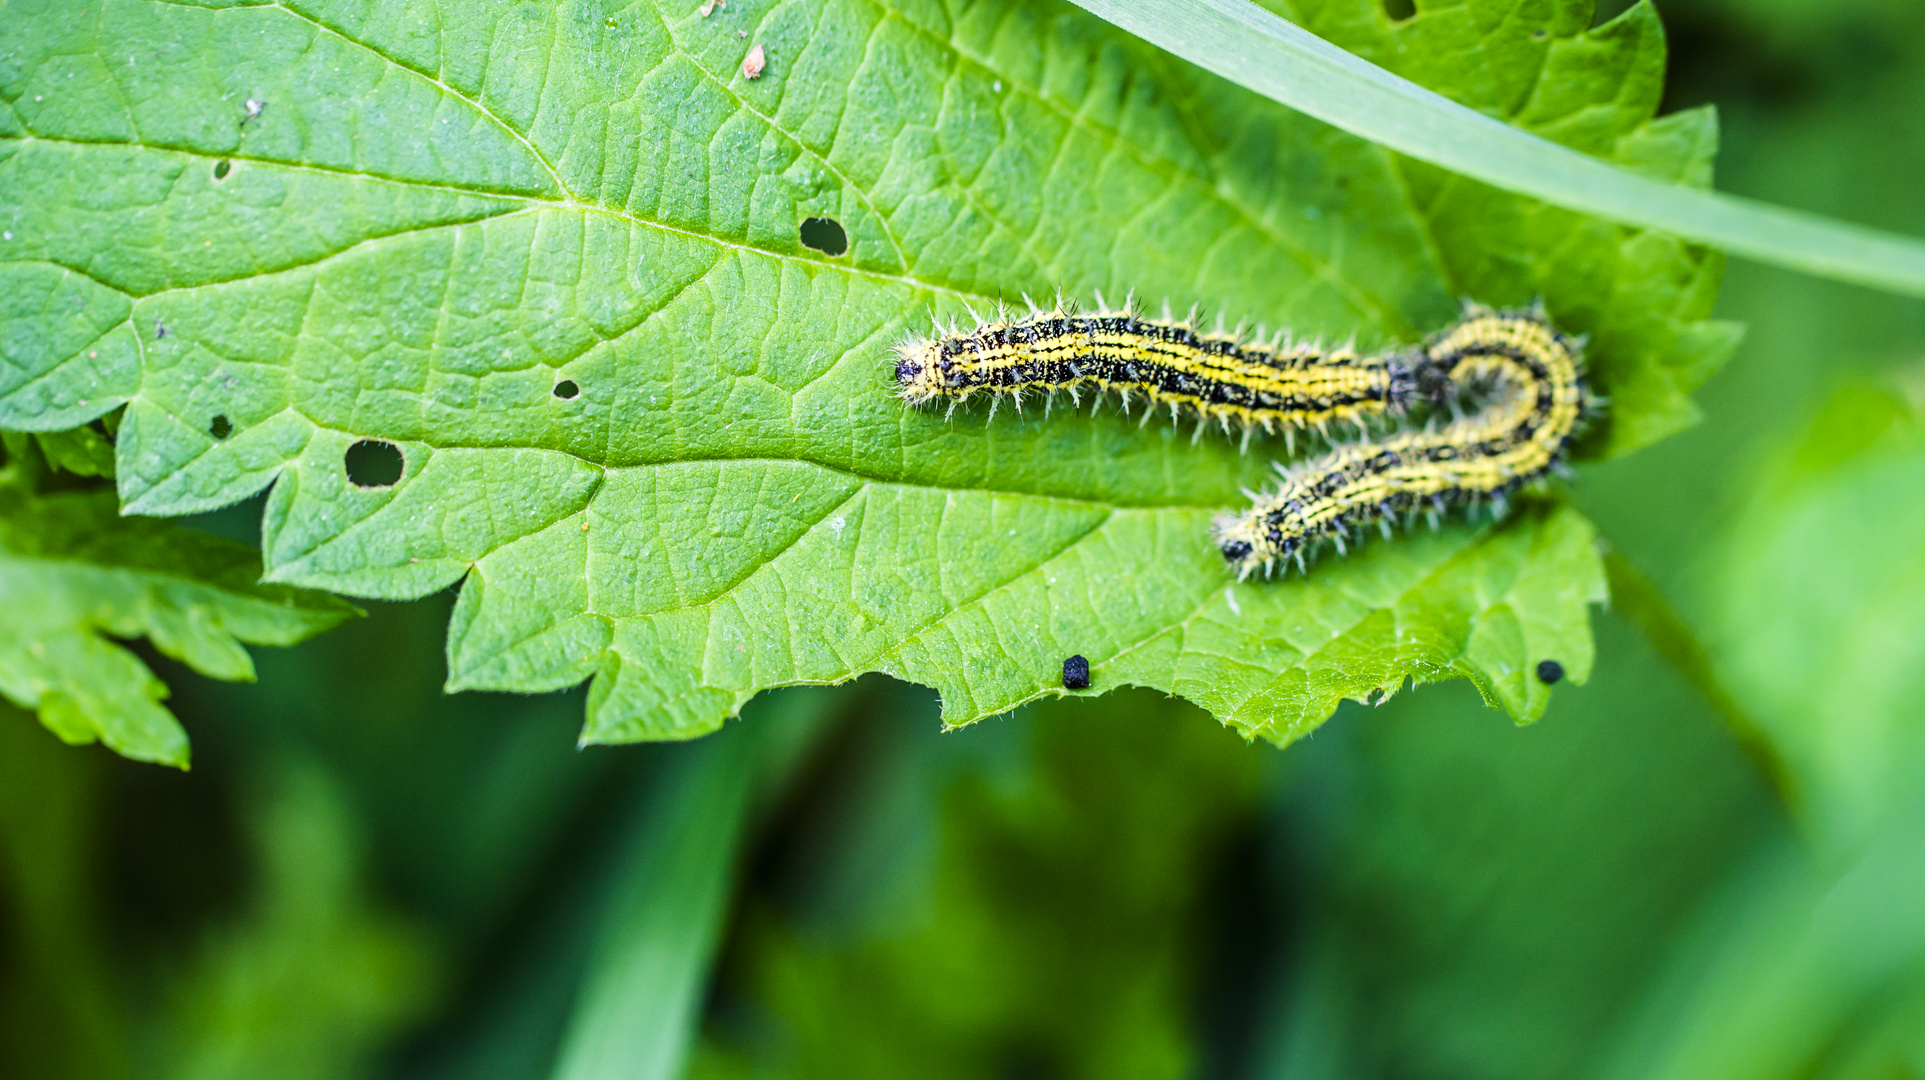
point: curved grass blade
(1247, 45)
(640, 1003)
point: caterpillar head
(1257, 538)
(919, 370)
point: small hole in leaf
(220, 427)
(567, 390)
(825, 235)
(221, 170)
(1399, 10)
(372, 463)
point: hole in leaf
(1399, 10)
(824, 235)
(220, 427)
(567, 390)
(221, 170)
(372, 463)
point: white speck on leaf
(254, 107)
(753, 64)
(1230, 598)
(837, 523)
(997, 86)
(6, 236)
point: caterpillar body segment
(1525, 382)
(1501, 395)
(1219, 378)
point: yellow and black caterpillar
(1218, 377)
(1511, 383)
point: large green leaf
(72, 572)
(550, 252)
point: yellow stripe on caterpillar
(1521, 378)
(1220, 378)
(1526, 380)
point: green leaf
(550, 254)
(74, 573)
(83, 451)
(1642, 296)
(1241, 42)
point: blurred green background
(1702, 864)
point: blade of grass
(1240, 41)
(640, 1000)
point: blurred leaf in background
(1487, 903)
(73, 572)
(57, 976)
(1823, 613)
(303, 977)
(1061, 929)
(1817, 966)
(311, 980)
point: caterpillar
(1512, 385)
(1218, 377)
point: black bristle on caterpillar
(1219, 378)
(1526, 380)
(1522, 379)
